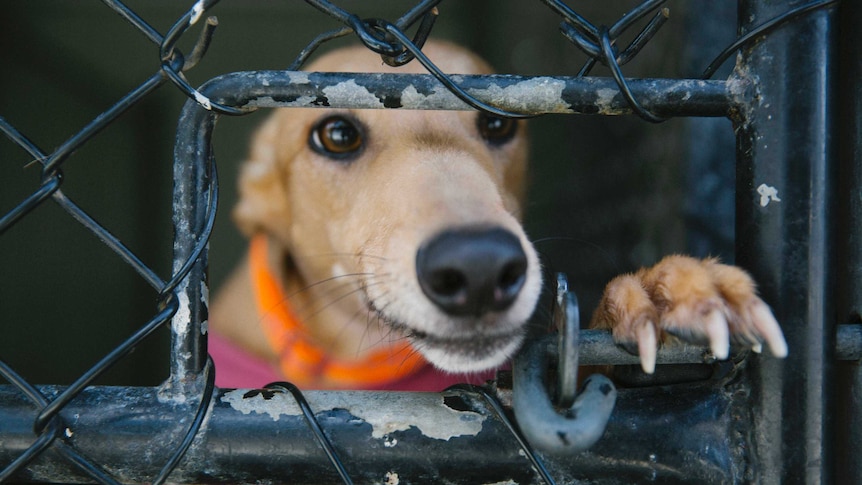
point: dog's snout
(470, 272)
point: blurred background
(608, 194)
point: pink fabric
(237, 369)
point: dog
(387, 253)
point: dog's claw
(768, 327)
(718, 334)
(647, 346)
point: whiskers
(345, 297)
(379, 331)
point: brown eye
(496, 130)
(337, 137)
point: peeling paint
(391, 478)
(685, 87)
(298, 77)
(413, 99)
(540, 94)
(270, 102)
(767, 194)
(180, 322)
(604, 100)
(205, 300)
(387, 413)
(350, 93)
(203, 101)
(205, 293)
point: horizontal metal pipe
(381, 437)
(529, 95)
(597, 348)
(249, 434)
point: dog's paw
(698, 301)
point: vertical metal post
(849, 237)
(192, 175)
(785, 205)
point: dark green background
(608, 194)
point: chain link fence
(756, 421)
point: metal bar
(597, 348)
(849, 239)
(193, 184)
(534, 95)
(785, 202)
(250, 434)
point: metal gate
(794, 100)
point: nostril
(472, 271)
(511, 280)
(447, 282)
(512, 275)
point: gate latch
(570, 422)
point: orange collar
(301, 360)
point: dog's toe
(628, 311)
(751, 322)
(697, 301)
(759, 326)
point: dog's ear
(263, 202)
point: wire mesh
(195, 210)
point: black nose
(470, 271)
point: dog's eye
(336, 137)
(496, 130)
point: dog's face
(421, 207)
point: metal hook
(582, 422)
(567, 318)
